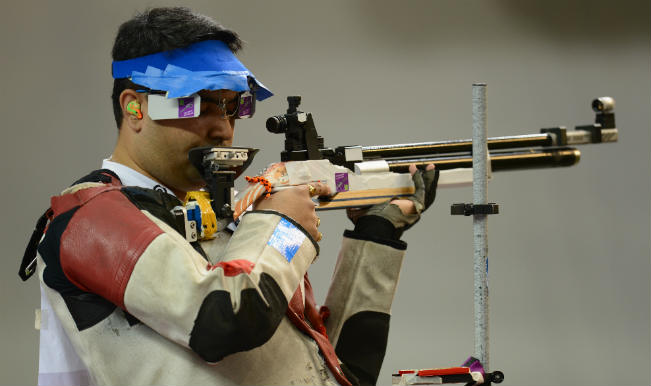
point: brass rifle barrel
(504, 160)
(455, 146)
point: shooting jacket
(142, 306)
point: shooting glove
(425, 183)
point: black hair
(162, 29)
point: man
(141, 305)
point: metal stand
(476, 369)
(479, 186)
(480, 209)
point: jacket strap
(297, 313)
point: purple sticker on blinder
(245, 109)
(341, 182)
(186, 107)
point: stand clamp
(472, 209)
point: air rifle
(365, 175)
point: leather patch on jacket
(218, 331)
(99, 248)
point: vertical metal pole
(479, 183)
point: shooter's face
(165, 143)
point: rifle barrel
(500, 161)
(571, 138)
(455, 146)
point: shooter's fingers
(413, 168)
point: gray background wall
(569, 254)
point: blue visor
(206, 65)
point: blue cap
(206, 65)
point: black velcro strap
(28, 265)
(100, 175)
(377, 229)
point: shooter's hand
(296, 203)
(403, 213)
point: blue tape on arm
(286, 239)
